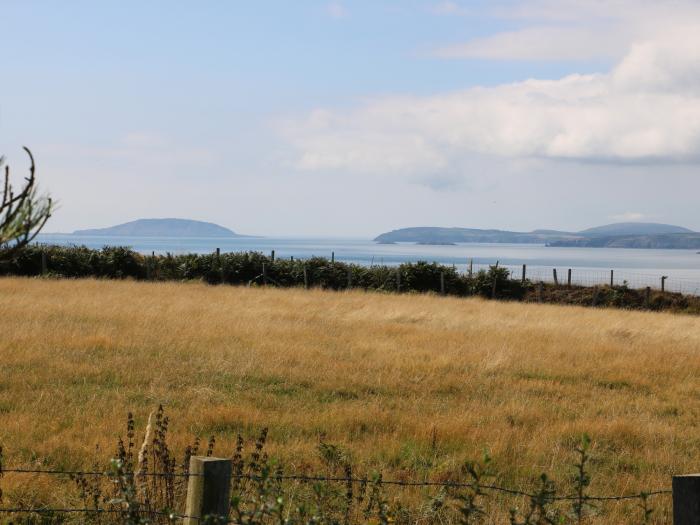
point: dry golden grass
(375, 373)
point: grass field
(412, 385)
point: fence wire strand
(344, 479)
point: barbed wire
(346, 479)
(49, 510)
(46, 510)
(91, 473)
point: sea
(589, 266)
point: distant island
(668, 241)
(618, 235)
(431, 235)
(162, 228)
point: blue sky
(349, 118)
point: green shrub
(506, 288)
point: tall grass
(407, 385)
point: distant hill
(619, 235)
(162, 228)
(634, 228)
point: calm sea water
(589, 265)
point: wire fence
(580, 276)
(170, 515)
(598, 277)
(342, 479)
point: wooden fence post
(272, 256)
(332, 257)
(306, 278)
(648, 296)
(612, 278)
(663, 283)
(264, 274)
(44, 263)
(568, 279)
(398, 279)
(493, 288)
(442, 283)
(471, 268)
(220, 266)
(556, 280)
(208, 490)
(524, 273)
(156, 266)
(686, 499)
(540, 291)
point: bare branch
(22, 214)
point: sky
(349, 118)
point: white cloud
(540, 43)
(449, 8)
(570, 29)
(336, 10)
(647, 109)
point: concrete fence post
(686, 499)
(208, 490)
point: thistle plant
(541, 511)
(581, 479)
(469, 502)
